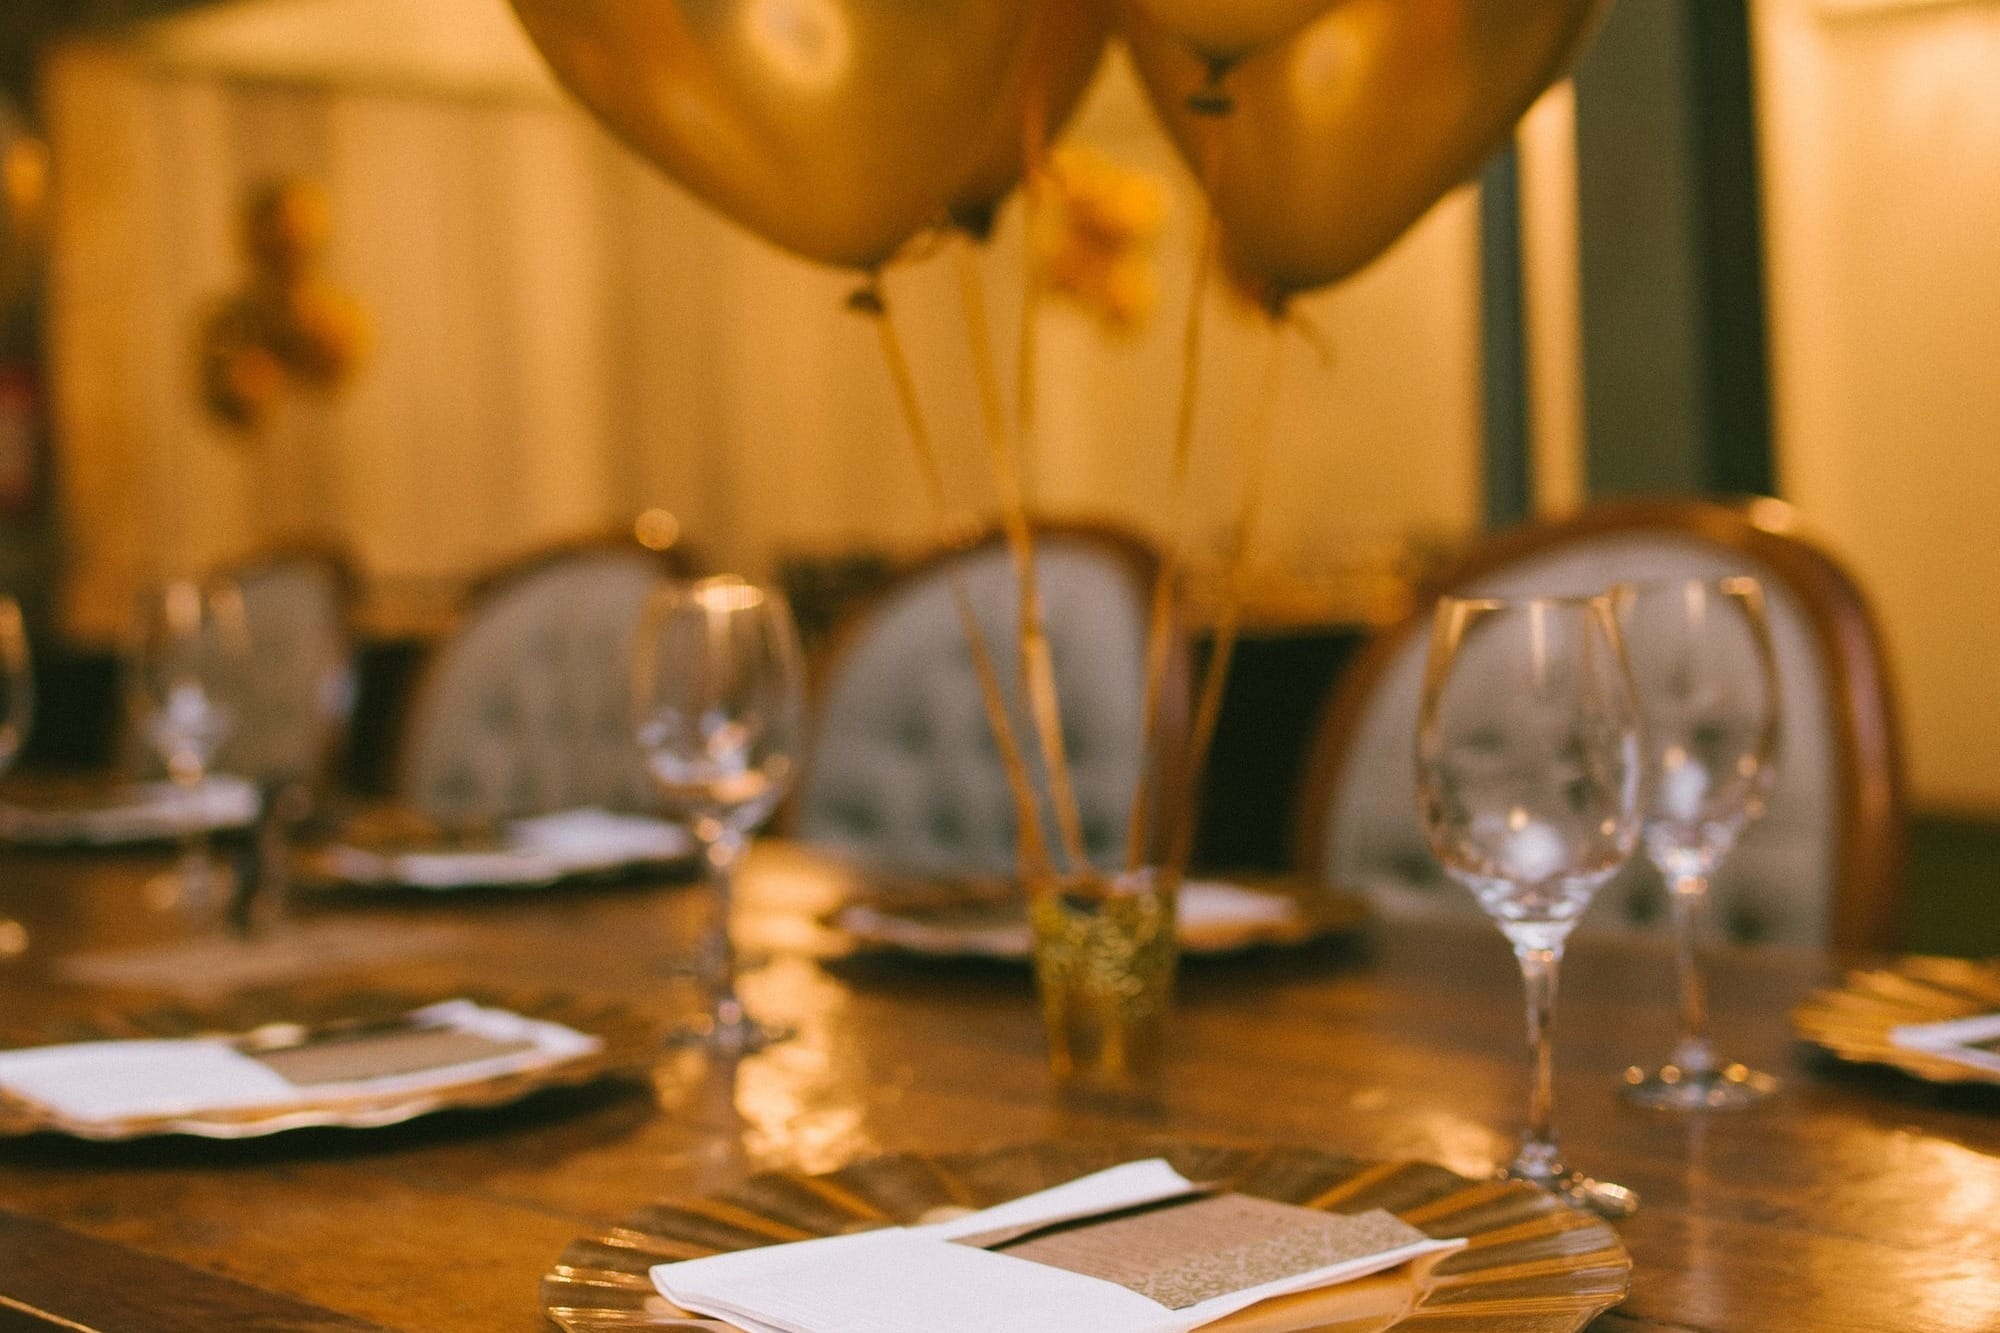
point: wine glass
(1529, 785)
(17, 711)
(718, 700)
(186, 668)
(1708, 686)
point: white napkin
(914, 1280)
(538, 850)
(138, 813)
(592, 837)
(1960, 1040)
(101, 1082)
(1207, 903)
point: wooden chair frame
(1867, 741)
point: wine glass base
(1586, 1195)
(733, 1037)
(1727, 1087)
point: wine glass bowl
(718, 713)
(1529, 788)
(1707, 678)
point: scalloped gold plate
(1533, 1265)
(1852, 1021)
(631, 1043)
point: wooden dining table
(1854, 1200)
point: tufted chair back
(526, 707)
(297, 702)
(904, 769)
(1822, 866)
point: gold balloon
(1224, 31)
(1342, 137)
(838, 129)
(1065, 43)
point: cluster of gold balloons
(843, 129)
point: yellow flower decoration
(289, 326)
(1097, 231)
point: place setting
(259, 1064)
(1934, 1020)
(1029, 1238)
(947, 917)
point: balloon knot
(1212, 99)
(867, 301)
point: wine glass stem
(1538, 1156)
(722, 846)
(195, 872)
(1693, 1053)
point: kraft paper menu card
(1137, 1249)
(1974, 1042)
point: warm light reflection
(726, 594)
(805, 42)
(800, 1100)
(657, 529)
(1462, 1145)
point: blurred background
(1748, 250)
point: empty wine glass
(1708, 686)
(17, 712)
(185, 672)
(718, 697)
(1528, 786)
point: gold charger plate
(987, 918)
(1852, 1021)
(630, 1044)
(1532, 1265)
(390, 848)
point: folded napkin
(138, 813)
(1972, 1042)
(532, 851)
(442, 1045)
(1136, 1249)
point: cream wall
(562, 339)
(1882, 163)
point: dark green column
(1676, 367)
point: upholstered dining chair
(525, 706)
(298, 613)
(1823, 865)
(904, 771)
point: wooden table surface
(1852, 1202)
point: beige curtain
(562, 339)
